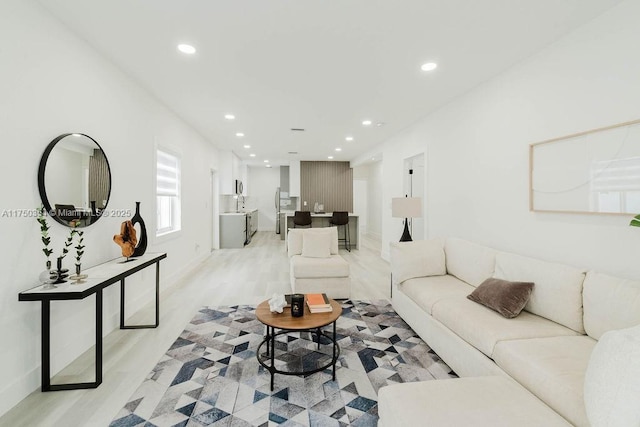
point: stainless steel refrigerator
(282, 202)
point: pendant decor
(142, 242)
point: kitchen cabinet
(230, 169)
(284, 179)
(233, 230)
(294, 178)
(253, 221)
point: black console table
(99, 277)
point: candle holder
(297, 305)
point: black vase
(142, 240)
(61, 274)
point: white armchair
(315, 265)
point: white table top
(98, 275)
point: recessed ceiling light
(338, 149)
(239, 134)
(366, 122)
(330, 157)
(187, 48)
(349, 138)
(268, 166)
(247, 146)
(252, 155)
(429, 66)
(266, 161)
(380, 124)
(229, 116)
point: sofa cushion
(483, 328)
(552, 369)
(469, 261)
(426, 291)
(294, 239)
(506, 298)
(316, 245)
(609, 303)
(420, 258)
(478, 401)
(611, 386)
(333, 266)
(557, 294)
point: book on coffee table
(318, 303)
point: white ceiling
(319, 65)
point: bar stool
(342, 218)
(302, 219)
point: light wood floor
(227, 277)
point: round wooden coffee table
(312, 322)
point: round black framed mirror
(74, 180)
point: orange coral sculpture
(126, 239)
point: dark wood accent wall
(328, 183)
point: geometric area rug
(210, 376)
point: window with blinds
(167, 192)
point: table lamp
(406, 207)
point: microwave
(239, 187)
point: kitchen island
(319, 220)
(237, 227)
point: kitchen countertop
(243, 212)
(322, 215)
(323, 219)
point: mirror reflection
(74, 180)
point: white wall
(361, 203)
(375, 199)
(263, 183)
(52, 83)
(476, 149)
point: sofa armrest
(420, 258)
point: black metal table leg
(122, 304)
(98, 337)
(334, 350)
(318, 335)
(157, 293)
(46, 350)
(273, 353)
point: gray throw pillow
(507, 298)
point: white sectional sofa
(315, 266)
(531, 367)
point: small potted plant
(635, 222)
(44, 235)
(68, 243)
(79, 247)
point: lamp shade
(406, 207)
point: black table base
(97, 289)
(270, 340)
